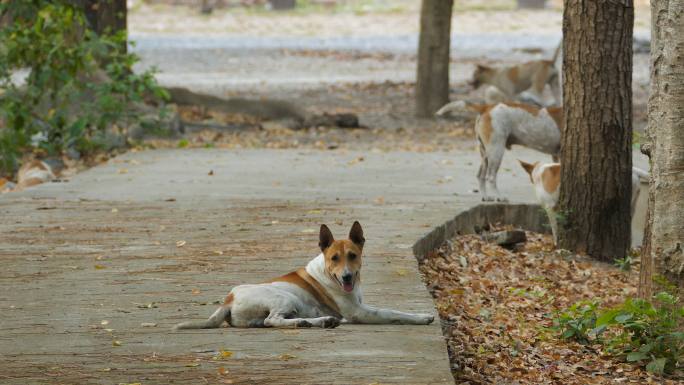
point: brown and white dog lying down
(322, 294)
(499, 126)
(546, 180)
(525, 82)
(30, 174)
(33, 173)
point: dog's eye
(335, 258)
(351, 256)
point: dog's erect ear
(325, 238)
(529, 167)
(356, 234)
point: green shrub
(578, 322)
(624, 264)
(647, 333)
(78, 84)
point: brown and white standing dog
(499, 126)
(323, 293)
(546, 180)
(526, 81)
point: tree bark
(105, 16)
(596, 140)
(664, 258)
(432, 80)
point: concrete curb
(528, 216)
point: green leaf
(657, 366)
(646, 348)
(622, 318)
(636, 356)
(607, 318)
(599, 330)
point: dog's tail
(461, 105)
(643, 176)
(216, 319)
(557, 52)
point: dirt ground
(498, 305)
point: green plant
(640, 331)
(78, 84)
(578, 322)
(647, 332)
(624, 264)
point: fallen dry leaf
(496, 307)
(180, 243)
(223, 354)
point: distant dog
(31, 173)
(502, 125)
(546, 180)
(525, 81)
(327, 290)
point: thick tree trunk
(596, 141)
(105, 16)
(664, 258)
(432, 81)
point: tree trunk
(105, 16)
(664, 258)
(432, 81)
(596, 140)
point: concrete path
(152, 238)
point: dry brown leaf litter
(496, 306)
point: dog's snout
(347, 277)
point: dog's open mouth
(346, 286)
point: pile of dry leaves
(497, 307)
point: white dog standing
(546, 180)
(499, 126)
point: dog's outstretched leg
(370, 315)
(279, 321)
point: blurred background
(363, 50)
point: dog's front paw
(330, 322)
(425, 319)
(487, 199)
(502, 199)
